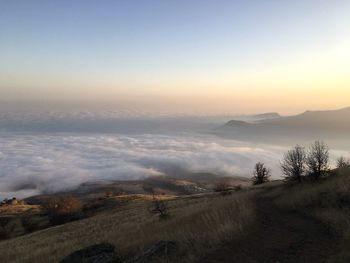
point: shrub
(318, 160)
(62, 209)
(261, 174)
(342, 162)
(222, 187)
(114, 192)
(294, 164)
(160, 208)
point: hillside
(274, 222)
(181, 184)
(193, 224)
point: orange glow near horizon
(283, 59)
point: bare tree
(342, 162)
(261, 174)
(160, 208)
(293, 164)
(318, 160)
(223, 187)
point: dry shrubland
(62, 209)
(223, 187)
(61, 205)
(197, 223)
(327, 201)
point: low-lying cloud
(42, 152)
(34, 164)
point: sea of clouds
(41, 163)
(51, 152)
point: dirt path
(281, 237)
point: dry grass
(19, 209)
(327, 201)
(197, 223)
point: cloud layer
(33, 164)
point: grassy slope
(281, 235)
(327, 201)
(197, 222)
(202, 222)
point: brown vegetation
(261, 174)
(297, 163)
(318, 160)
(62, 209)
(160, 208)
(293, 164)
(223, 187)
(12, 202)
(342, 162)
(327, 201)
(197, 224)
(18, 218)
(279, 235)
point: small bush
(317, 161)
(62, 209)
(160, 208)
(293, 164)
(261, 174)
(222, 187)
(114, 192)
(342, 162)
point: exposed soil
(281, 237)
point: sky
(178, 56)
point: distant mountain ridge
(309, 125)
(268, 115)
(332, 120)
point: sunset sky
(182, 56)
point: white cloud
(32, 164)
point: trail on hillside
(281, 237)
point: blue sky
(58, 50)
